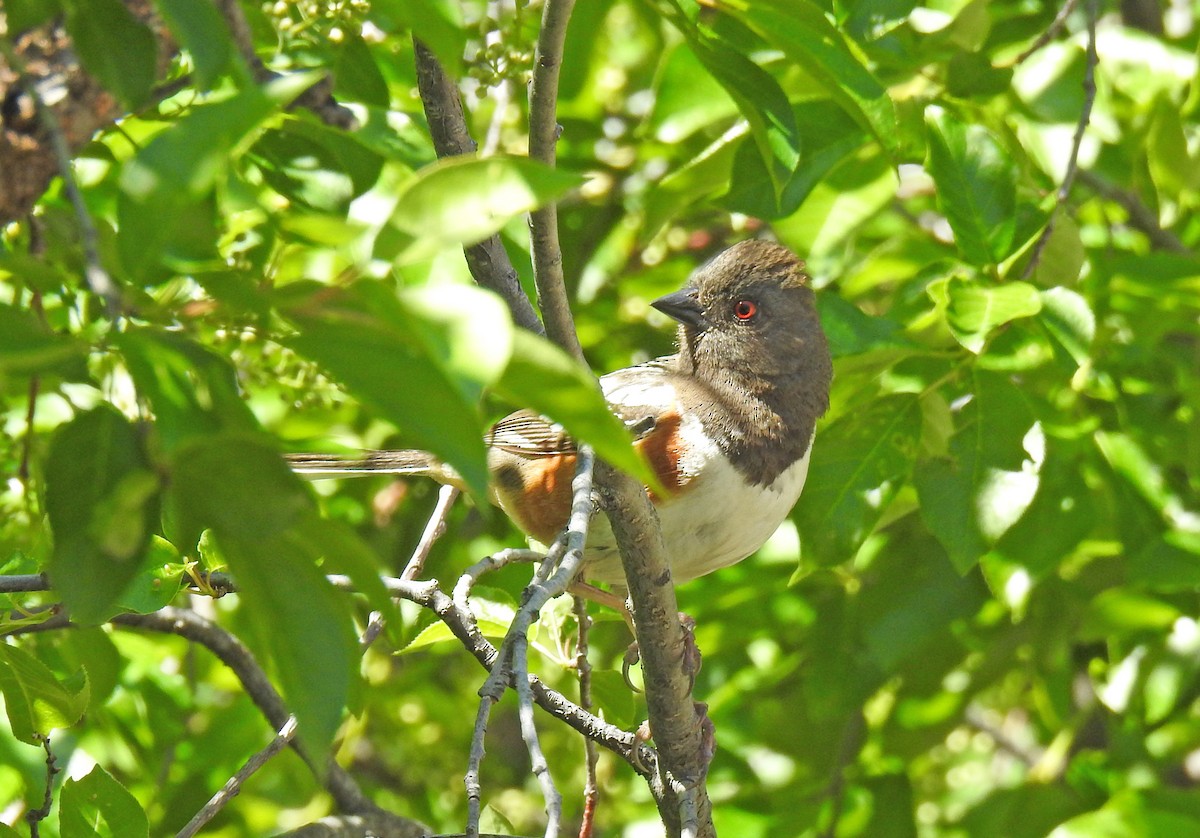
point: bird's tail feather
(410, 462)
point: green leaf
(1062, 257)
(543, 378)
(191, 388)
(157, 583)
(976, 186)
(493, 619)
(97, 806)
(357, 75)
(1130, 461)
(755, 91)
(1069, 318)
(262, 518)
(200, 29)
(102, 496)
(1063, 512)
(697, 180)
(974, 309)
(858, 465)
(316, 166)
(421, 359)
(855, 190)
(36, 701)
(1121, 610)
(344, 552)
(465, 199)
(21, 15)
(829, 137)
(688, 99)
(971, 498)
(28, 346)
(850, 332)
(807, 37)
(167, 182)
(115, 47)
(438, 23)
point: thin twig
(474, 760)
(1085, 116)
(96, 278)
(584, 667)
(537, 758)
(511, 665)
(488, 260)
(461, 623)
(427, 594)
(1139, 215)
(1056, 25)
(435, 527)
(36, 246)
(234, 784)
(234, 654)
(462, 588)
(544, 130)
(34, 817)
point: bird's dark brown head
(751, 341)
(750, 314)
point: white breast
(717, 520)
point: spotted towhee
(727, 423)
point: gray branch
(488, 261)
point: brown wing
(527, 434)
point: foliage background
(982, 619)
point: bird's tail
(409, 462)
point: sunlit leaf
(37, 701)
(463, 200)
(27, 346)
(971, 498)
(976, 186)
(422, 359)
(858, 465)
(97, 805)
(974, 309)
(102, 496)
(258, 510)
(542, 377)
(202, 31)
(809, 39)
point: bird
(727, 423)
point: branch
(678, 731)
(96, 277)
(234, 785)
(24, 583)
(552, 579)
(234, 654)
(34, 817)
(488, 261)
(434, 529)
(543, 136)
(583, 666)
(1047, 36)
(1085, 116)
(317, 99)
(1140, 216)
(461, 623)
(684, 752)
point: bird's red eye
(744, 309)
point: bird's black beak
(684, 307)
